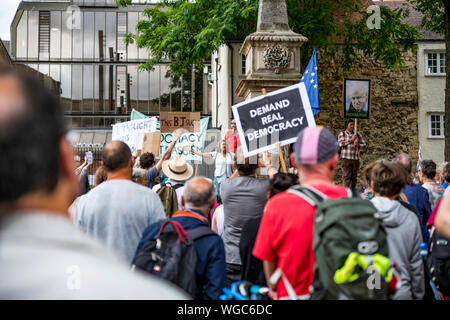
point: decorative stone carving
(276, 57)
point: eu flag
(311, 81)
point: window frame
(438, 60)
(442, 123)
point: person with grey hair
(198, 199)
(139, 176)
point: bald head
(198, 194)
(116, 155)
(405, 160)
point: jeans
(217, 181)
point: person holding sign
(223, 161)
(351, 146)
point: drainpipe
(217, 91)
(232, 73)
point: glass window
(99, 85)
(132, 48)
(243, 64)
(165, 89)
(436, 63)
(436, 125)
(143, 52)
(442, 63)
(154, 90)
(143, 91)
(55, 34)
(22, 41)
(88, 35)
(55, 72)
(77, 92)
(121, 31)
(100, 32)
(77, 45)
(66, 36)
(88, 88)
(175, 95)
(33, 34)
(44, 35)
(133, 87)
(66, 86)
(109, 88)
(44, 69)
(121, 92)
(111, 26)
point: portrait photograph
(356, 98)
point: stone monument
(272, 52)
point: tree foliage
(186, 32)
(433, 14)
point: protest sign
(132, 132)
(151, 143)
(194, 140)
(170, 121)
(275, 118)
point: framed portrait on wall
(357, 98)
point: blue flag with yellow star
(311, 80)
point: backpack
(171, 255)
(168, 196)
(350, 248)
(438, 262)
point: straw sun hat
(177, 169)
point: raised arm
(167, 154)
(201, 154)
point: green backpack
(350, 248)
(168, 196)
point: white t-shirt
(221, 163)
(219, 219)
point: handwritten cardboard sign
(170, 121)
(151, 143)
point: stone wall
(393, 123)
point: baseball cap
(315, 145)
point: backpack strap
(313, 196)
(199, 232)
(175, 187)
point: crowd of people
(57, 242)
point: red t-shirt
(286, 237)
(232, 140)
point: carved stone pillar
(273, 52)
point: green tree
(185, 33)
(437, 19)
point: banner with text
(132, 132)
(194, 140)
(276, 117)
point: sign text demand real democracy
(275, 118)
(270, 108)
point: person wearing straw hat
(178, 171)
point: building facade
(80, 44)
